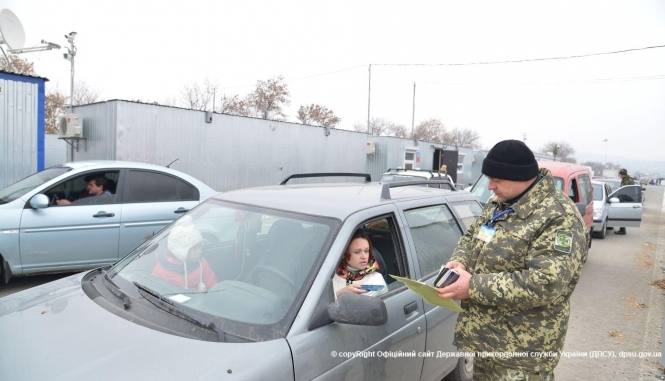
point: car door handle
(181, 210)
(103, 214)
(636, 206)
(410, 308)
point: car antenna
(169, 166)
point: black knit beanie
(510, 160)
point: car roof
(419, 173)
(560, 168)
(333, 199)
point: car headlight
(597, 213)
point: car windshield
(614, 185)
(29, 183)
(598, 192)
(480, 190)
(248, 268)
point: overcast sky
(149, 49)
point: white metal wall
(18, 130)
(56, 150)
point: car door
(81, 235)
(392, 351)
(626, 211)
(151, 201)
(432, 233)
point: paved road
(614, 308)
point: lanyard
(496, 216)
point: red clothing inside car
(172, 270)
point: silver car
(38, 236)
(270, 312)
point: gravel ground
(615, 308)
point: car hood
(55, 332)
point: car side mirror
(39, 201)
(581, 207)
(614, 200)
(356, 309)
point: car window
(74, 189)
(480, 190)
(468, 211)
(614, 185)
(585, 186)
(435, 233)
(146, 186)
(572, 191)
(253, 281)
(29, 183)
(382, 232)
(558, 182)
(598, 192)
(630, 193)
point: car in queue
(272, 312)
(40, 236)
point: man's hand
(455, 265)
(63, 202)
(458, 290)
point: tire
(603, 231)
(590, 235)
(463, 371)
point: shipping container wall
(233, 152)
(55, 149)
(20, 134)
(99, 132)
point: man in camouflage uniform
(625, 180)
(519, 263)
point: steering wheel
(260, 269)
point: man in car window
(95, 187)
(518, 265)
(625, 180)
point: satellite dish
(11, 30)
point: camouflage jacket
(523, 278)
(627, 181)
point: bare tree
(561, 150)
(380, 127)
(399, 131)
(199, 97)
(170, 101)
(430, 130)
(317, 115)
(269, 98)
(85, 94)
(56, 105)
(21, 66)
(462, 137)
(234, 105)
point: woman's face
(359, 253)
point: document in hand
(428, 294)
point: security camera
(71, 36)
(66, 56)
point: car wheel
(603, 231)
(463, 371)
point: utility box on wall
(22, 110)
(371, 148)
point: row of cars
(273, 251)
(604, 202)
(271, 312)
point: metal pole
(413, 114)
(71, 85)
(369, 92)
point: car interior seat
(111, 186)
(285, 242)
(382, 264)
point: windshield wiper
(115, 290)
(170, 307)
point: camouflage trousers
(484, 369)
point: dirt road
(615, 309)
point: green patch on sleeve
(563, 241)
